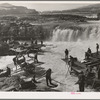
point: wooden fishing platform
(90, 67)
(93, 61)
(13, 51)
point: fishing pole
(67, 67)
(52, 79)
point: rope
(67, 72)
(67, 67)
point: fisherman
(89, 52)
(8, 72)
(31, 41)
(36, 57)
(81, 81)
(72, 60)
(48, 77)
(97, 47)
(66, 53)
(15, 61)
(41, 42)
(87, 55)
(36, 42)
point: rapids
(75, 34)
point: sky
(49, 6)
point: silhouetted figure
(36, 42)
(89, 51)
(66, 53)
(48, 77)
(73, 59)
(81, 82)
(15, 61)
(97, 47)
(87, 55)
(41, 42)
(36, 58)
(31, 41)
(8, 72)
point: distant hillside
(87, 10)
(8, 9)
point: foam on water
(5, 60)
(68, 34)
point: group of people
(82, 76)
(19, 59)
(35, 42)
(88, 54)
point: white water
(53, 59)
(68, 34)
(5, 61)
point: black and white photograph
(49, 47)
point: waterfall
(71, 34)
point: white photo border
(50, 95)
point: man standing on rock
(97, 47)
(66, 53)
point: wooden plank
(91, 61)
(77, 63)
(9, 88)
(77, 70)
(18, 50)
(95, 64)
(94, 55)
